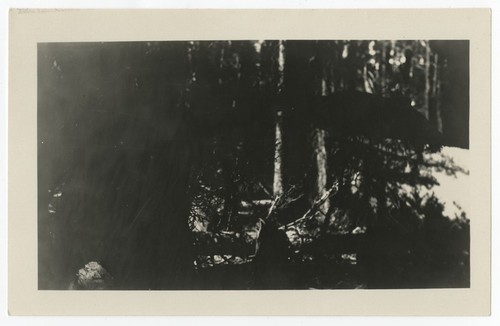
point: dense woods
(251, 164)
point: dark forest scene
(253, 165)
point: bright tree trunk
(278, 155)
(321, 166)
(278, 149)
(321, 160)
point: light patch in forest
(454, 191)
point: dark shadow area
(250, 165)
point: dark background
(122, 127)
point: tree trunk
(383, 70)
(320, 155)
(278, 155)
(321, 168)
(427, 79)
(278, 149)
(434, 110)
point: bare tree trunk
(321, 166)
(383, 68)
(434, 109)
(367, 83)
(427, 77)
(278, 149)
(281, 67)
(321, 162)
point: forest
(243, 165)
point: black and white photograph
(281, 162)
(275, 164)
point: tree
(144, 142)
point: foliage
(144, 144)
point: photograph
(258, 162)
(247, 164)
